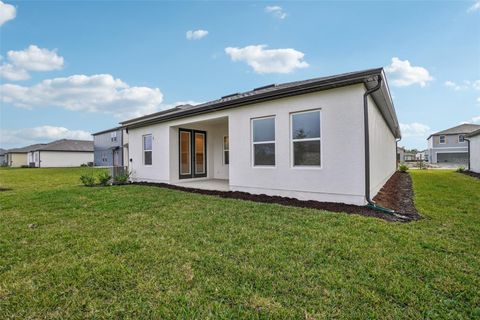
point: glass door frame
(192, 158)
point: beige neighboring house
(61, 153)
(18, 157)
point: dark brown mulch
(401, 199)
(472, 174)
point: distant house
(18, 157)
(410, 155)
(61, 153)
(474, 159)
(326, 139)
(2, 156)
(110, 147)
(450, 146)
(401, 154)
(421, 155)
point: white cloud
(97, 93)
(476, 119)
(476, 85)
(196, 34)
(264, 60)
(26, 136)
(452, 85)
(12, 73)
(404, 74)
(36, 59)
(414, 129)
(31, 59)
(474, 7)
(276, 11)
(7, 12)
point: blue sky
(72, 68)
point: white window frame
(252, 151)
(113, 136)
(224, 149)
(144, 150)
(444, 139)
(292, 150)
(463, 136)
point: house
(449, 146)
(2, 157)
(410, 155)
(110, 147)
(61, 153)
(18, 157)
(421, 155)
(473, 140)
(400, 154)
(325, 139)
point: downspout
(397, 162)
(370, 203)
(468, 151)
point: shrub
(403, 168)
(122, 178)
(83, 165)
(461, 169)
(87, 180)
(104, 178)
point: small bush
(87, 180)
(122, 178)
(403, 168)
(104, 178)
(83, 165)
(461, 169)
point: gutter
(370, 203)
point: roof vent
(265, 87)
(231, 95)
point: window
(306, 140)
(442, 139)
(185, 153)
(461, 138)
(113, 136)
(226, 151)
(147, 150)
(263, 139)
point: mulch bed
(472, 174)
(397, 194)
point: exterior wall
(475, 153)
(17, 159)
(50, 159)
(451, 146)
(340, 177)
(2, 159)
(382, 149)
(33, 157)
(104, 146)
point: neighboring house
(410, 155)
(450, 146)
(325, 139)
(401, 154)
(61, 153)
(474, 142)
(18, 157)
(2, 156)
(421, 155)
(109, 147)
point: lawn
(147, 252)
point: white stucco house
(473, 140)
(61, 153)
(326, 139)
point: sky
(69, 68)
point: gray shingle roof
(474, 133)
(107, 130)
(460, 129)
(276, 91)
(26, 149)
(68, 145)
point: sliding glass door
(192, 153)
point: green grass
(146, 252)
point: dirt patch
(397, 194)
(4, 189)
(472, 174)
